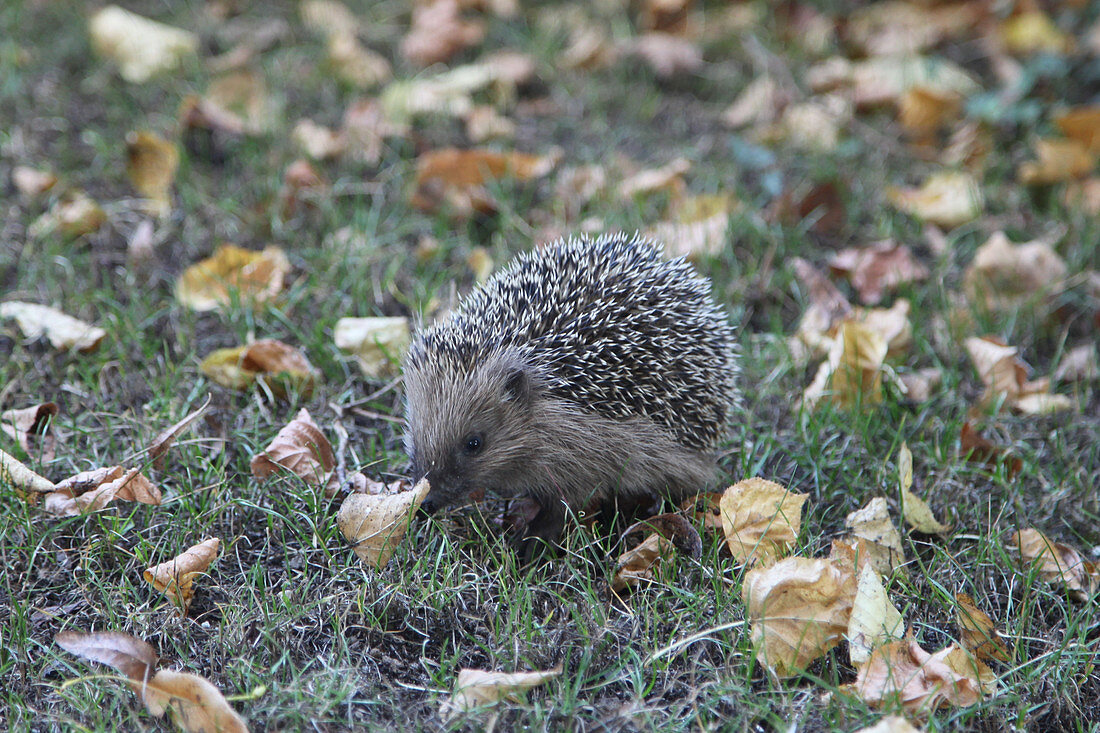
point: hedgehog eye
(473, 445)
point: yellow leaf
(176, 577)
(476, 687)
(946, 199)
(374, 524)
(62, 330)
(233, 272)
(151, 163)
(379, 344)
(875, 620)
(760, 519)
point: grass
(289, 623)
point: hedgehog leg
(543, 530)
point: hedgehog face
(469, 430)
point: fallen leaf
(947, 199)
(1078, 365)
(232, 275)
(923, 112)
(905, 28)
(760, 519)
(817, 203)
(374, 524)
(901, 672)
(439, 32)
(759, 104)
(799, 609)
(21, 478)
(873, 524)
(197, 706)
(301, 448)
(891, 724)
(278, 366)
(709, 514)
(589, 49)
(878, 267)
(318, 142)
(356, 64)
(815, 125)
(666, 16)
(668, 178)
(151, 163)
(920, 384)
(30, 428)
(979, 449)
(244, 95)
(484, 123)
(885, 79)
(141, 48)
(1056, 563)
(852, 373)
(977, 632)
(874, 621)
(63, 331)
(81, 495)
(827, 308)
(303, 187)
(159, 446)
(480, 263)
(669, 56)
(1032, 31)
(327, 17)
(1004, 375)
(1081, 124)
(1004, 275)
(475, 687)
(459, 177)
(640, 563)
(378, 344)
(32, 182)
(176, 577)
(74, 215)
(1058, 160)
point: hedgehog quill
(584, 370)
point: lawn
(299, 634)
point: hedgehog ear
(517, 386)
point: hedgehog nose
(429, 506)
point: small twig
(371, 397)
(688, 640)
(341, 449)
(370, 415)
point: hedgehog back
(611, 325)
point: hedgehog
(583, 371)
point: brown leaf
(374, 524)
(1004, 275)
(710, 514)
(476, 687)
(151, 163)
(922, 112)
(32, 182)
(31, 426)
(356, 64)
(900, 672)
(977, 632)
(873, 524)
(668, 178)
(1081, 124)
(640, 563)
(303, 187)
(978, 449)
(27, 483)
(159, 446)
(669, 56)
(1078, 365)
(672, 527)
(131, 656)
(301, 448)
(947, 199)
(1056, 563)
(920, 384)
(233, 274)
(799, 609)
(176, 577)
(852, 373)
(438, 32)
(243, 94)
(278, 366)
(73, 215)
(378, 344)
(1058, 160)
(760, 519)
(878, 267)
(459, 177)
(197, 706)
(62, 330)
(318, 142)
(760, 103)
(1004, 375)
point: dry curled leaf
(355, 63)
(710, 513)
(640, 563)
(279, 367)
(374, 524)
(799, 609)
(1059, 160)
(1081, 124)
(142, 48)
(62, 330)
(875, 620)
(878, 267)
(73, 215)
(32, 182)
(946, 199)
(23, 479)
(233, 274)
(668, 178)
(197, 706)
(852, 373)
(318, 142)
(476, 687)
(159, 446)
(30, 428)
(1056, 563)
(669, 56)
(1078, 365)
(378, 344)
(1004, 375)
(1005, 275)
(439, 32)
(760, 519)
(901, 672)
(873, 524)
(979, 449)
(460, 177)
(301, 448)
(151, 163)
(176, 577)
(919, 385)
(977, 632)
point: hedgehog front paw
(534, 527)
